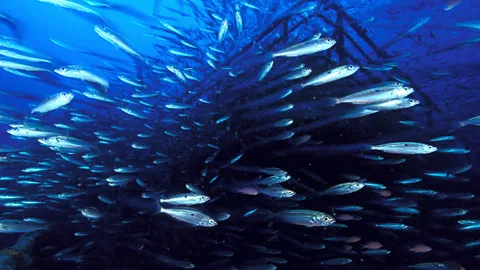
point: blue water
(201, 116)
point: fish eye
(329, 40)
(350, 67)
(326, 219)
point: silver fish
(344, 188)
(223, 31)
(20, 226)
(186, 199)
(306, 48)
(308, 218)
(114, 39)
(406, 148)
(189, 215)
(54, 102)
(332, 75)
(80, 73)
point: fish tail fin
(456, 126)
(269, 56)
(334, 101)
(49, 226)
(159, 198)
(328, 102)
(158, 207)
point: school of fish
(251, 141)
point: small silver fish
(344, 188)
(91, 212)
(54, 102)
(186, 199)
(332, 75)
(406, 148)
(306, 48)
(308, 218)
(20, 226)
(189, 215)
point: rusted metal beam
(360, 31)
(18, 256)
